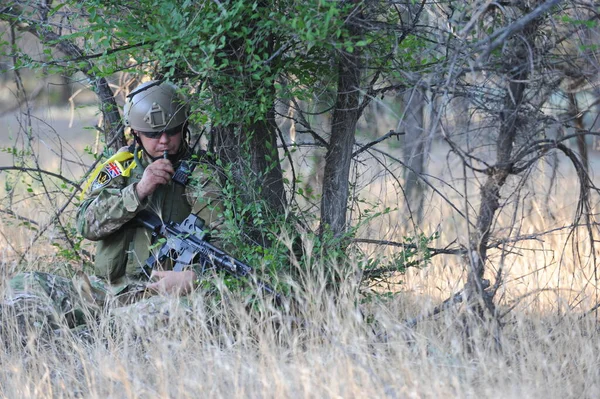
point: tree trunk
(113, 128)
(334, 201)
(490, 191)
(577, 118)
(251, 152)
(249, 149)
(414, 153)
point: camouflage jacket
(122, 247)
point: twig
(37, 170)
(424, 180)
(448, 303)
(309, 129)
(593, 309)
(386, 136)
(88, 57)
(19, 217)
(498, 38)
(434, 251)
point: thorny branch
(110, 110)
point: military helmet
(154, 107)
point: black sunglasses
(155, 135)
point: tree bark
(577, 118)
(490, 192)
(414, 153)
(334, 201)
(249, 149)
(262, 176)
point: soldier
(139, 177)
(135, 178)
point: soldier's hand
(170, 282)
(157, 173)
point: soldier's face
(167, 141)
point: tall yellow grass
(331, 347)
(331, 352)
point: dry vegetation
(502, 83)
(548, 346)
(225, 352)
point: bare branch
(45, 172)
(499, 37)
(386, 136)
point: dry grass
(212, 351)
(545, 348)
(209, 352)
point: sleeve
(108, 208)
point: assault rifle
(186, 243)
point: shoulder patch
(109, 170)
(101, 180)
(113, 169)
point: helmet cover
(155, 107)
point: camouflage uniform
(45, 303)
(48, 303)
(123, 247)
(46, 306)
